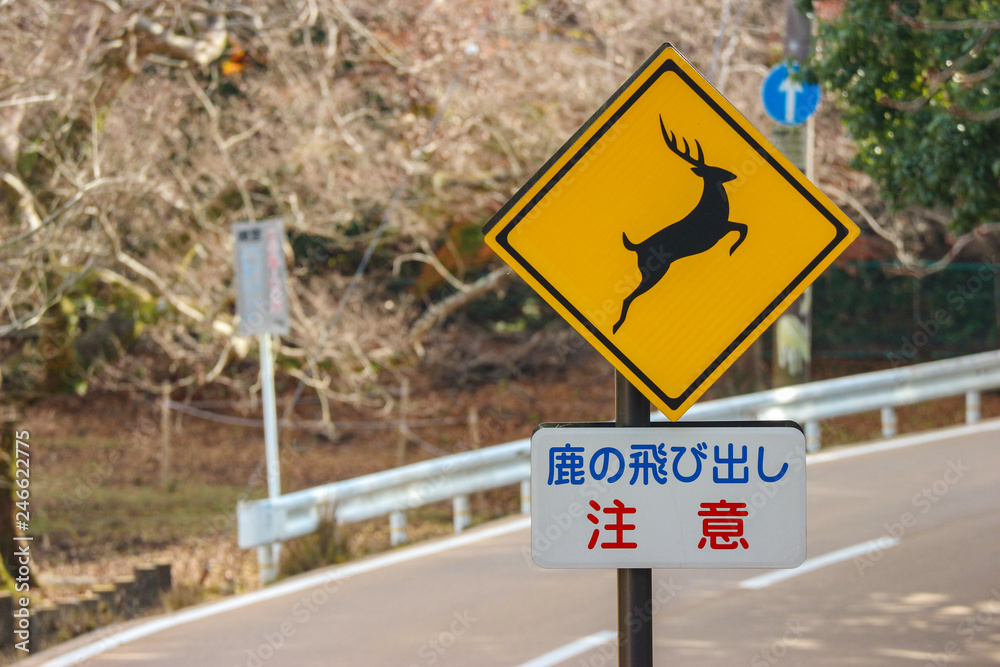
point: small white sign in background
(679, 495)
(260, 273)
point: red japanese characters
(618, 527)
(722, 526)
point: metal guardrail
(392, 492)
(881, 390)
(262, 522)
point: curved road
(903, 569)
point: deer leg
(648, 280)
(625, 304)
(742, 229)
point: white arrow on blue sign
(786, 101)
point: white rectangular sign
(672, 495)
(260, 276)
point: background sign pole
(793, 330)
(635, 585)
(269, 570)
(262, 306)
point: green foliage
(341, 253)
(918, 84)
(26, 161)
(516, 308)
(867, 309)
(92, 324)
(99, 496)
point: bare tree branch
(25, 203)
(32, 318)
(975, 116)
(442, 309)
(434, 263)
(904, 255)
(201, 52)
(180, 304)
(387, 53)
(222, 144)
(965, 24)
(912, 265)
(955, 72)
(34, 99)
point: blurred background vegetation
(133, 134)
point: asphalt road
(903, 568)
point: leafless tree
(133, 133)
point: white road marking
(884, 542)
(295, 585)
(765, 580)
(850, 451)
(570, 650)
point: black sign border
(669, 66)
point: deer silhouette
(698, 231)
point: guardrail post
(526, 496)
(461, 513)
(812, 436)
(890, 426)
(397, 528)
(973, 405)
(267, 567)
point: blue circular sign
(787, 101)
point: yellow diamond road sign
(669, 232)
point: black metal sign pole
(635, 585)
